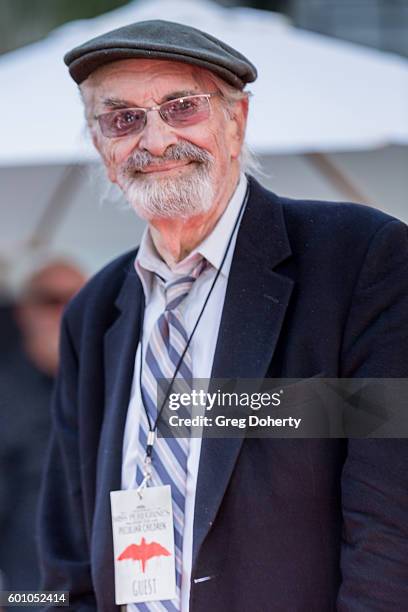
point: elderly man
(230, 280)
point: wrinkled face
(165, 171)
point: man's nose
(156, 135)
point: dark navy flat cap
(160, 39)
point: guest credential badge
(143, 544)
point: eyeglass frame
(157, 108)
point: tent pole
(56, 208)
(336, 177)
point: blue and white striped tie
(167, 343)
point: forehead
(146, 79)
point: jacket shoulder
(322, 220)
(357, 217)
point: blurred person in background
(26, 380)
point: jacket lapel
(120, 344)
(254, 309)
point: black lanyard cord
(149, 446)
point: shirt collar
(148, 262)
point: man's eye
(126, 119)
(182, 106)
(186, 104)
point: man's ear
(239, 114)
(87, 93)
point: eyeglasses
(180, 112)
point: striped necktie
(166, 345)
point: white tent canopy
(313, 93)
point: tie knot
(177, 290)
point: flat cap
(159, 39)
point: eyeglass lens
(177, 113)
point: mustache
(181, 151)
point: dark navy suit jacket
(297, 525)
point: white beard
(181, 197)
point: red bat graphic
(143, 552)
